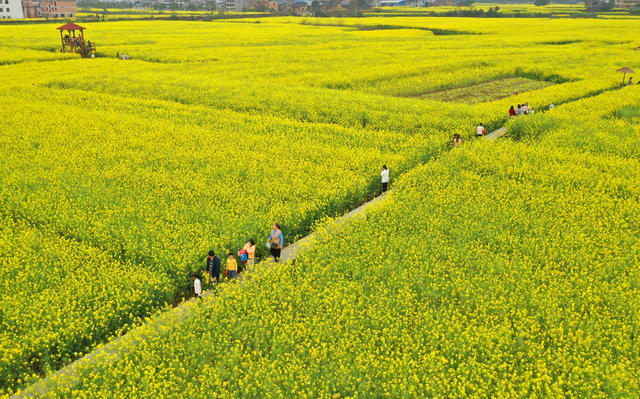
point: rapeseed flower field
(496, 269)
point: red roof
(70, 26)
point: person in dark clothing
(213, 266)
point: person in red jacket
(512, 112)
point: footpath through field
(496, 133)
(109, 352)
(164, 322)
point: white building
(236, 5)
(11, 9)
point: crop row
(60, 296)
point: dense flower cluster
(59, 296)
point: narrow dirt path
(290, 252)
(110, 351)
(496, 133)
(164, 322)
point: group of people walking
(522, 109)
(457, 139)
(247, 257)
(247, 254)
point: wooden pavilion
(73, 42)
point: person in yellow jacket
(232, 266)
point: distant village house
(301, 7)
(50, 9)
(10, 9)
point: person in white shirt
(385, 178)
(480, 130)
(197, 287)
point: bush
(531, 126)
